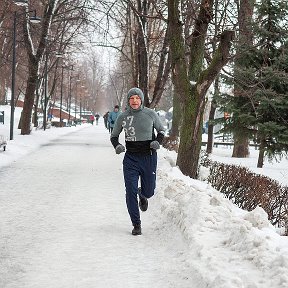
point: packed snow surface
(64, 222)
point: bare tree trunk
(241, 141)
(260, 162)
(193, 95)
(174, 134)
(34, 58)
(35, 114)
(178, 64)
(211, 127)
(29, 99)
(241, 146)
(142, 50)
(211, 117)
(163, 72)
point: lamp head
(35, 19)
(21, 2)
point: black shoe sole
(143, 204)
(136, 232)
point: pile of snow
(230, 247)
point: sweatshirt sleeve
(159, 128)
(117, 129)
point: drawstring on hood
(135, 91)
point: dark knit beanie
(135, 91)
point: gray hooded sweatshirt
(138, 126)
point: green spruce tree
(271, 79)
(259, 106)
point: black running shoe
(137, 229)
(143, 204)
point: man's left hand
(119, 149)
(155, 145)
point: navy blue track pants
(135, 166)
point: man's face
(135, 102)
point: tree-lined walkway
(64, 222)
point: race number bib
(129, 129)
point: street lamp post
(80, 111)
(71, 68)
(45, 91)
(76, 91)
(82, 97)
(12, 104)
(76, 102)
(70, 96)
(75, 110)
(33, 19)
(59, 56)
(61, 95)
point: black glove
(155, 145)
(119, 149)
(112, 122)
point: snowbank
(230, 248)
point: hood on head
(135, 91)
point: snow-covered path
(64, 224)
(68, 227)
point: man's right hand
(119, 149)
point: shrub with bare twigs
(249, 190)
